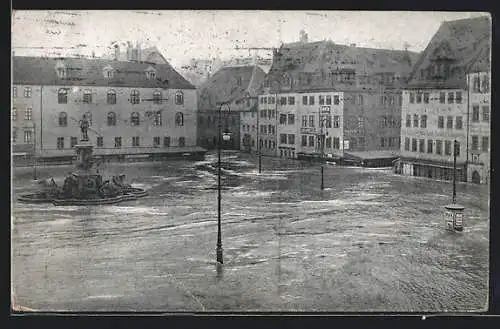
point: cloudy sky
(182, 35)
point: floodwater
(371, 241)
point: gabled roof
(323, 57)
(89, 72)
(223, 85)
(458, 43)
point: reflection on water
(370, 241)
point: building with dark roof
(238, 86)
(440, 101)
(133, 107)
(335, 98)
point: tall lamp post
(34, 151)
(322, 120)
(226, 137)
(454, 211)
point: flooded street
(371, 241)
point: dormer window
(108, 72)
(61, 70)
(150, 73)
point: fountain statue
(84, 185)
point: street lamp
(322, 121)
(226, 137)
(454, 211)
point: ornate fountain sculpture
(85, 185)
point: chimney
(117, 52)
(303, 36)
(129, 50)
(93, 54)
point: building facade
(439, 105)
(132, 108)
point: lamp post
(322, 120)
(226, 136)
(454, 212)
(34, 151)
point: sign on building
(325, 109)
(308, 130)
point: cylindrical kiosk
(455, 217)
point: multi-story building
(133, 108)
(436, 107)
(237, 86)
(337, 100)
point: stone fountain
(84, 185)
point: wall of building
(248, 131)
(22, 101)
(267, 116)
(50, 130)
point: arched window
(63, 119)
(179, 119)
(179, 98)
(111, 119)
(157, 97)
(134, 119)
(111, 97)
(88, 116)
(87, 96)
(134, 96)
(157, 118)
(62, 96)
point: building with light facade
(134, 108)
(439, 106)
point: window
(179, 119)
(291, 139)
(62, 96)
(408, 120)
(429, 146)
(449, 122)
(361, 141)
(336, 120)
(87, 96)
(329, 142)
(423, 121)
(311, 100)
(354, 143)
(304, 140)
(419, 97)
(414, 145)
(63, 119)
(458, 97)
(263, 113)
(336, 100)
(450, 97)
(156, 141)
(151, 74)
(28, 113)
(111, 97)
(328, 100)
(304, 121)
(447, 147)
(415, 120)
(426, 98)
(282, 119)
(311, 121)
(291, 100)
(108, 73)
(328, 121)
(458, 122)
(179, 98)
(361, 122)
(475, 113)
(361, 101)
(283, 138)
(264, 100)
(157, 97)
(118, 142)
(475, 84)
(135, 119)
(270, 129)
(73, 141)
(166, 141)
(291, 119)
(283, 101)
(60, 143)
(14, 113)
(27, 92)
(134, 96)
(407, 144)
(14, 92)
(439, 147)
(321, 100)
(135, 141)
(269, 115)
(28, 136)
(100, 142)
(271, 100)
(421, 145)
(441, 121)
(485, 85)
(336, 143)
(382, 141)
(486, 113)
(475, 143)
(311, 141)
(157, 118)
(457, 148)
(485, 143)
(61, 72)
(111, 119)
(412, 98)
(442, 97)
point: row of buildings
(318, 99)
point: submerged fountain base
(85, 186)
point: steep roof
(223, 85)
(323, 57)
(457, 44)
(90, 72)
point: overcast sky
(182, 35)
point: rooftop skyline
(182, 35)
